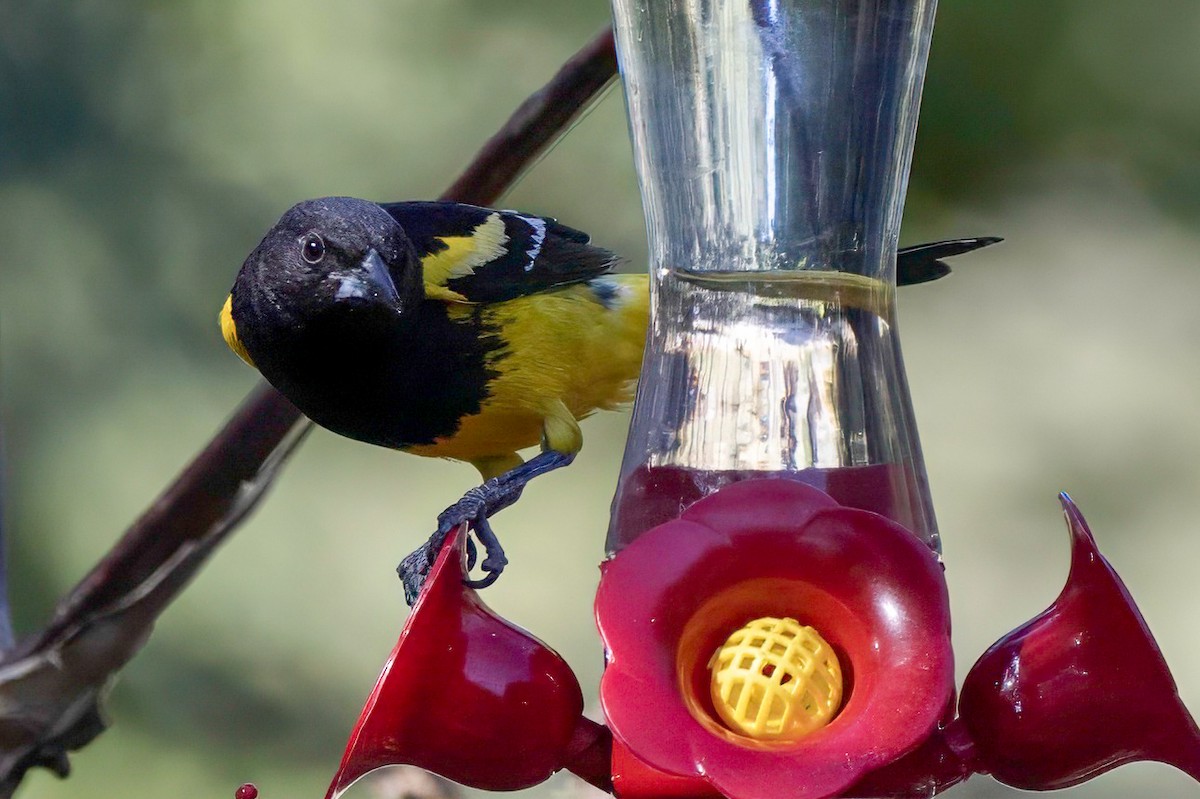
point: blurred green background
(145, 148)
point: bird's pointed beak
(370, 280)
(379, 277)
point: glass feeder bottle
(772, 141)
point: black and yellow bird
(453, 331)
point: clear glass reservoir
(772, 141)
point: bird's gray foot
(475, 508)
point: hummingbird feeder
(773, 609)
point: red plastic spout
(1078, 690)
(469, 696)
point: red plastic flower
(770, 547)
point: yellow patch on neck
(229, 331)
(484, 244)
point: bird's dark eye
(312, 247)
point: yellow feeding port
(775, 679)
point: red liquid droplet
(247, 791)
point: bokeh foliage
(145, 147)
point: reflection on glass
(772, 142)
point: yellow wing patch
(569, 354)
(484, 244)
(229, 331)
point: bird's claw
(472, 553)
(483, 582)
(473, 510)
(470, 508)
(493, 565)
(495, 560)
(413, 570)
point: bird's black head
(326, 261)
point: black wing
(473, 254)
